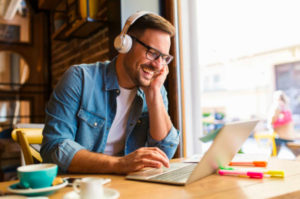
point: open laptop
(224, 147)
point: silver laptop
(224, 147)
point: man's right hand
(141, 158)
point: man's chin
(144, 83)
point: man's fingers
(158, 150)
(143, 157)
(156, 154)
(150, 163)
(157, 157)
(167, 69)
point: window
(230, 50)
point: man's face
(140, 69)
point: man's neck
(122, 75)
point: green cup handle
(24, 185)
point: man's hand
(141, 158)
(158, 80)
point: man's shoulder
(91, 66)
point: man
(112, 117)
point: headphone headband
(123, 41)
(132, 19)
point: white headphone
(123, 41)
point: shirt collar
(111, 80)
(140, 92)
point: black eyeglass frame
(159, 54)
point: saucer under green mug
(37, 175)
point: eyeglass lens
(153, 54)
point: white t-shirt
(116, 137)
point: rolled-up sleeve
(64, 153)
(168, 144)
(59, 134)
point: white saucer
(23, 197)
(35, 192)
(108, 194)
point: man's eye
(153, 53)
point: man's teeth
(147, 70)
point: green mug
(37, 175)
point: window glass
(241, 43)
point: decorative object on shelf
(83, 18)
(88, 8)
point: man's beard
(136, 75)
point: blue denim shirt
(81, 110)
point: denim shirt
(81, 110)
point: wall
(75, 51)
(128, 7)
(35, 90)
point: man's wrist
(116, 165)
(153, 96)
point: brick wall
(75, 51)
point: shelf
(74, 25)
(48, 4)
(60, 34)
(84, 28)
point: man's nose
(158, 63)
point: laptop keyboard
(178, 175)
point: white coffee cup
(89, 188)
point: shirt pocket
(91, 119)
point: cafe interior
(41, 39)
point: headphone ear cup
(123, 43)
(118, 42)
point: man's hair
(151, 21)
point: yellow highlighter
(274, 173)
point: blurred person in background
(281, 117)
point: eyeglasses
(153, 54)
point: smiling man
(111, 117)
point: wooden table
(213, 186)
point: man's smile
(149, 70)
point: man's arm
(85, 161)
(160, 122)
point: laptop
(224, 147)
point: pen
(250, 174)
(253, 163)
(274, 173)
(225, 168)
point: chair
(271, 140)
(27, 137)
(276, 142)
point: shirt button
(95, 124)
(118, 91)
